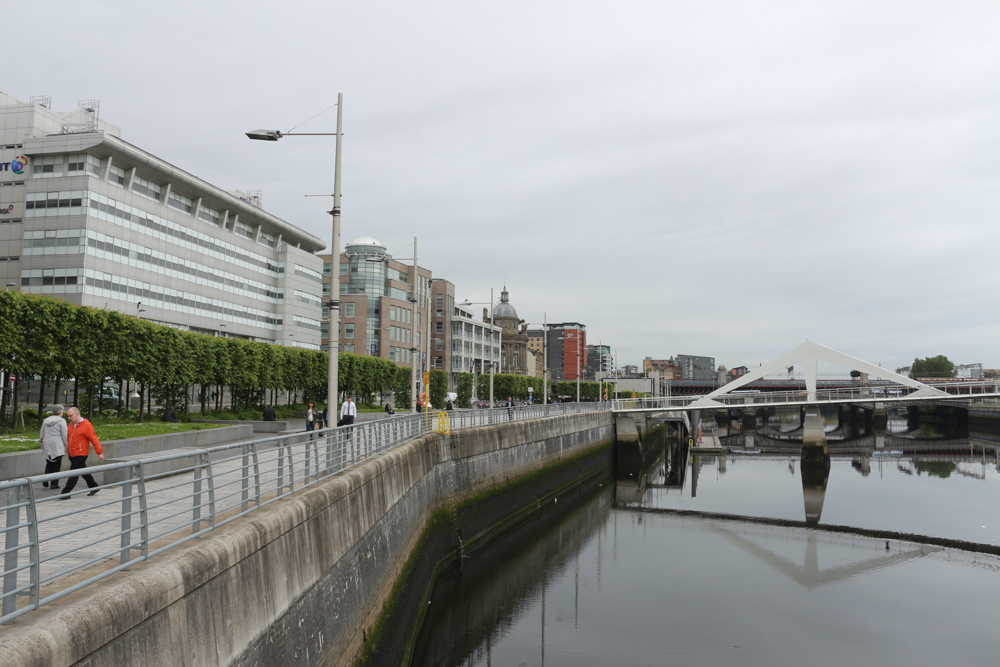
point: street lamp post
(334, 304)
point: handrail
(210, 488)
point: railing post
(256, 473)
(207, 461)
(245, 479)
(196, 498)
(33, 548)
(10, 546)
(281, 465)
(143, 511)
(126, 538)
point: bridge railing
(887, 393)
(155, 503)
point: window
(392, 313)
(116, 175)
(49, 166)
(84, 163)
(418, 339)
(438, 344)
(439, 327)
(439, 305)
(418, 319)
(344, 269)
(392, 354)
(266, 239)
(146, 188)
(212, 216)
(349, 309)
(180, 202)
(516, 356)
(349, 330)
(349, 347)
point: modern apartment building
(599, 361)
(567, 350)
(381, 314)
(696, 368)
(470, 344)
(97, 221)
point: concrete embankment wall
(303, 581)
(25, 464)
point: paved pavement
(74, 545)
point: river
(650, 572)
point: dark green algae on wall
(468, 528)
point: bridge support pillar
(626, 429)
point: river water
(632, 574)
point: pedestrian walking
(312, 416)
(80, 438)
(348, 411)
(510, 408)
(52, 437)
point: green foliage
(589, 391)
(41, 335)
(932, 367)
(506, 385)
(464, 390)
(401, 388)
(439, 387)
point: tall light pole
(334, 303)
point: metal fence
(154, 503)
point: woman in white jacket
(53, 438)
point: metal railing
(154, 503)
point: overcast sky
(724, 179)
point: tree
(439, 387)
(932, 367)
(464, 390)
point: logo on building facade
(5, 211)
(19, 164)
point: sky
(725, 179)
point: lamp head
(264, 135)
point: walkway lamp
(334, 303)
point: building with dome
(514, 339)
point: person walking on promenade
(53, 439)
(312, 416)
(81, 437)
(348, 411)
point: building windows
(180, 202)
(327, 268)
(116, 175)
(349, 309)
(66, 199)
(307, 323)
(266, 239)
(516, 357)
(305, 297)
(326, 289)
(211, 216)
(84, 163)
(438, 344)
(418, 319)
(304, 271)
(439, 327)
(344, 269)
(348, 330)
(349, 347)
(146, 188)
(439, 305)
(49, 166)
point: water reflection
(603, 585)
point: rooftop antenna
(42, 101)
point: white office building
(92, 219)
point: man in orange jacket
(81, 437)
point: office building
(696, 368)
(567, 350)
(381, 314)
(96, 221)
(599, 361)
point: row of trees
(46, 337)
